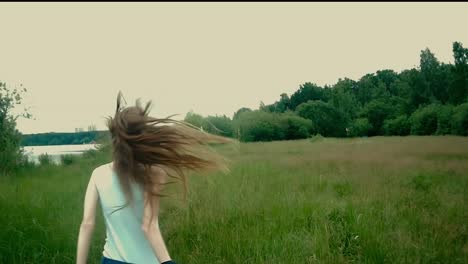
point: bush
(399, 126)
(195, 119)
(296, 126)
(459, 122)
(360, 127)
(316, 138)
(266, 126)
(219, 125)
(260, 126)
(444, 120)
(424, 120)
(45, 159)
(67, 159)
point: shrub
(460, 120)
(259, 126)
(360, 127)
(195, 119)
(399, 126)
(296, 126)
(444, 120)
(45, 159)
(219, 125)
(266, 126)
(316, 138)
(67, 159)
(424, 120)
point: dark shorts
(105, 260)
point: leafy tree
(240, 111)
(260, 126)
(360, 128)
(195, 119)
(444, 119)
(424, 120)
(376, 112)
(297, 127)
(387, 77)
(10, 138)
(343, 99)
(399, 126)
(460, 120)
(266, 126)
(219, 125)
(458, 88)
(283, 104)
(307, 91)
(327, 120)
(420, 92)
(435, 75)
(371, 87)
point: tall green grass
(373, 200)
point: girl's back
(146, 151)
(125, 240)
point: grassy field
(370, 200)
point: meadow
(319, 200)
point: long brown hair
(140, 142)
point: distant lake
(55, 151)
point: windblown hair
(141, 142)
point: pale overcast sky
(212, 58)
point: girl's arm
(150, 224)
(87, 224)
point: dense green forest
(52, 138)
(428, 100)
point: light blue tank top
(125, 241)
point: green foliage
(67, 159)
(297, 127)
(265, 126)
(399, 126)
(45, 159)
(307, 91)
(316, 138)
(11, 155)
(360, 127)
(420, 101)
(444, 119)
(327, 119)
(219, 125)
(424, 120)
(343, 99)
(460, 120)
(240, 111)
(260, 126)
(376, 112)
(458, 88)
(195, 119)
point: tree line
(53, 138)
(431, 99)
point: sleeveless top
(125, 241)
